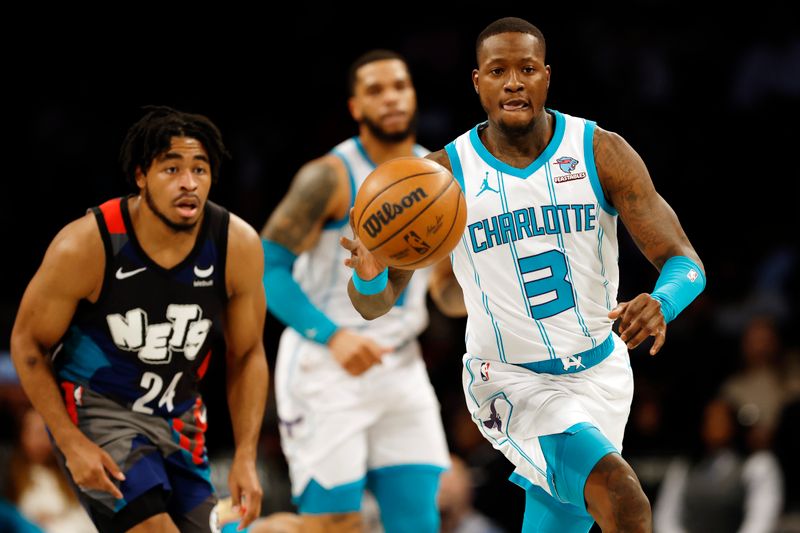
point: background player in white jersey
(355, 404)
(545, 379)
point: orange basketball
(410, 212)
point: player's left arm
(657, 232)
(247, 372)
(445, 291)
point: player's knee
(615, 497)
(406, 496)
(626, 493)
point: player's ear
(355, 112)
(140, 177)
(475, 80)
(547, 70)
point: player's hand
(88, 463)
(354, 352)
(246, 490)
(365, 264)
(641, 318)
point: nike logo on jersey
(203, 273)
(123, 275)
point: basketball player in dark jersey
(129, 299)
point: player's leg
(155, 524)
(323, 423)
(182, 443)
(407, 451)
(612, 491)
(122, 435)
(328, 485)
(146, 513)
(335, 506)
(615, 498)
(586, 473)
(543, 514)
(406, 496)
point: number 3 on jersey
(556, 282)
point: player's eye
(496, 71)
(200, 170)
(528, 70)
(171, 170)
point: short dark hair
(379, 54)
(152, 135)
(508, 25)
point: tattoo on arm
(304, 206)
(649, 219)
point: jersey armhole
(591, 168)
(222, 240)
(455, 164)
(107, 249)
(335, 224)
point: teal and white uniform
(339, 431)
(538, 267)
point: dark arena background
(711, 104)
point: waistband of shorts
(571, 364)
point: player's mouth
(515, 104)
(187, 206)
(394, 117)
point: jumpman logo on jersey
(494, 419)
(485, 186)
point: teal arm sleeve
(680, 282)
(287, 301)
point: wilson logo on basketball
(388, 212)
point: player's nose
(187, 180)
(513, 83)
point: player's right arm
(443, 287)
(72, 270)
(319, 193)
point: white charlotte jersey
(322, 275)
(538, 258)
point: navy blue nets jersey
(147, 340)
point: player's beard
(396, 137)
(516, 130)
(177, 227)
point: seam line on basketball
(366, 207)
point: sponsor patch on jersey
(569, 177)
(567, 164)
(203, 273)
(692, 275)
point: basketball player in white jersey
(546, 380)
(355, 404)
